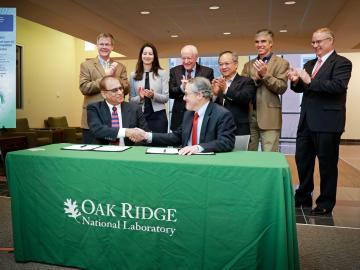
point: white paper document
(170, 151)
(81, 147)
(160, 150)
(112, 148)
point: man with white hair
(179, 76)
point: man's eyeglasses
(317, 42)
(115, 90)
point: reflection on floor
(347, 209)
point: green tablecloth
(132, 210)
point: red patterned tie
(115, 123)
(318, 65)
(194, 129)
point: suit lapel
(187, 126)
(205, 122)
(106, 112)
(325, 66)
(99, 67)
(125, 110)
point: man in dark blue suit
(206, 126)
(323, 83)
(112, 121)
(179, 76)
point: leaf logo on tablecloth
(71, 209)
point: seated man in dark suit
(206, 126)
(112, 121)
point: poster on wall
(7, 67)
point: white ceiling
(195, 23)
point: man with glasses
(179, 76)
(113, 121)
(93, 70)
(269, 74)
(323, 82)
(233, 91)
(206, 126)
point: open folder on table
(170, 151)
(92, 147)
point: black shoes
(318, 211)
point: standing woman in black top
(149, 86)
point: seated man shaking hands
(113, 121)
(206, 126)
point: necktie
(148, 109)
(115, 123)
(188, 74)
(194, 129)
(318, 65)
(114, 118)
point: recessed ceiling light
(144, 12)
(227, 33)
(214, 7)
(174, 36)
(290, 2)
(283, 30)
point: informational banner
(7, 67)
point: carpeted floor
(320, 247)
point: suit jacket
(91, 73)
(273, 84)
(237, 100)
(160, 85)
(175, 92)
(217, 131)
(99, 118)
(324, 98)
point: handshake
(136, 134)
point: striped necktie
(115, 118)
(318, 65)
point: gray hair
(326, 31)
(267, 32)
(191, 48)
(234, 55)
(200, 85)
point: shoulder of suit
(342, 58)
(91, 61)
(279, 59)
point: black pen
(83, 146)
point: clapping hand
(112, 69)
(149, 93)
(261, 68)
(184, 81)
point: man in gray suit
(93, 70)
(206, 126)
